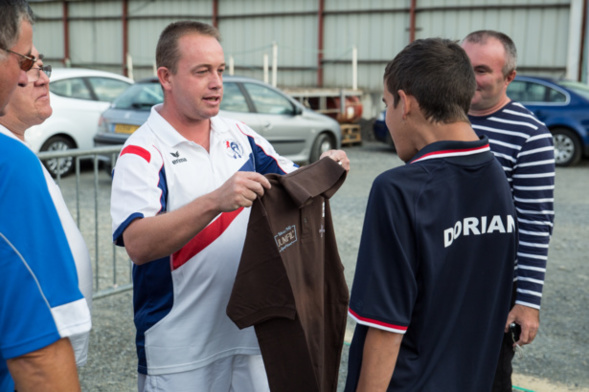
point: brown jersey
(290, 283)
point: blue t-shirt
(436, 263)
(40, 302)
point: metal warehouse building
(310, 44)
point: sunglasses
(26, 62)
(46, 69)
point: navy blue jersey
(436, 263)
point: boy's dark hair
(438, 73)
(167, 53)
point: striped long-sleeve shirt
(523, 145)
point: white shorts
(238, 373)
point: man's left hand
(529, 320)
(339, 156)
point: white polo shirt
(180, 300)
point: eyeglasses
(26, 62)
(44, 68)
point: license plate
(125, 128)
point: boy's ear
(405, 102)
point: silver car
(296, 132)
(78, 97)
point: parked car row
(296, 132)
(562, 105)
(83, 99)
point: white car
(78, 97)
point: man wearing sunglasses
(16, 41)
(41, 303)
(30, 106)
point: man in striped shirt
(523, 145)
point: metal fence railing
(87, 195)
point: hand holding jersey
(240, 190)
(339, 156)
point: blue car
(380, 130)
(562, 105)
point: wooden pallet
(351, 134)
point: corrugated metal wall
(250, 28)
(48, 32)
(377, 28)
(539, 28)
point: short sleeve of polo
(384, 288)
(40, 300)
(138, 188)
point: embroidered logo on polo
(286, 237)
(178, 159)
(233, 149)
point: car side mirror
(298, 110)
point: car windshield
(579, 88)
(140, 96)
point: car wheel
(567, 147)
(323, 143)
(63, 166)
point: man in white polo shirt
(181, 191)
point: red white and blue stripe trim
(376, 323)
(452, 153)
(204, 238)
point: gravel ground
(557, 360)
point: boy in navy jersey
(433, 279)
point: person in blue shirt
(40, 303)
